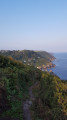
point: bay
(61, 65)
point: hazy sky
(33, 24)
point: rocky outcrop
(44, 67)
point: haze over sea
(61, 65)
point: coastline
(48, 65)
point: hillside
(51, 98)
(15, 80)
(29, 57)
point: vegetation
(36, 58)
(15, 78)
(50, 92)
(51, 99)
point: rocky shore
(47, 66)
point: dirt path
(27, 104)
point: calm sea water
(61, 65)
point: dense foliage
(15, 78)
(51, 98)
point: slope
(29, 57)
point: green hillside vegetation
(15, 79)
(36, 58)
(45, 55)
(51, 98)
(50, 92)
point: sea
(61, 65)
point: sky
(33, 25)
